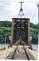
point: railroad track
(20, 55)
(11, 55)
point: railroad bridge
(20, 41)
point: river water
(34, 46)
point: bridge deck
(19, 53)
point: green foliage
(5, 24)
(34, 30)
(5, 29)
(34, 35)
(33, 25)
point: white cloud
(10, 8)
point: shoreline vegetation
(5, 29)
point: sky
(10, 9)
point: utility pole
(38, 21)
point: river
(34, 46)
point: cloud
(10, 8)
